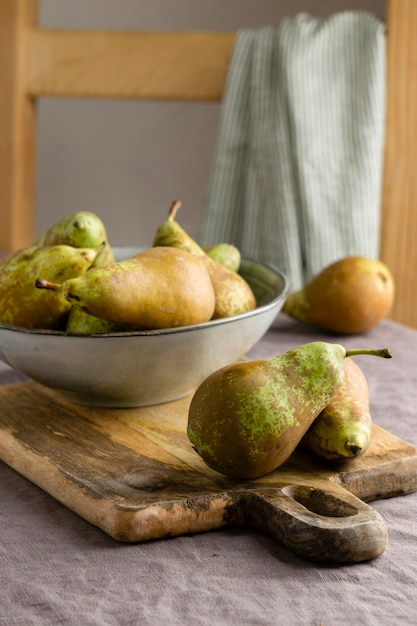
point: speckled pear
(233, 294)
(342, 431)
(83, 229)
(21, 303)
(246, 419)
(157, 288)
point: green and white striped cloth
(297, 171)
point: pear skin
(225, 254)
(83, 229)
(342, 431)
(157, 288)
(105, 255)
(233, 294)
(81, 323)
(349, 296)
(21, 303)
(246, 419)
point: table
(55, 568)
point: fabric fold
(297, 171)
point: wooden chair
(37, 63)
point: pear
(225, 254)
(21, 304)
(247, 418)
(83, 229)
(80, 322)
(105, 255)
(342, 431)
(349, 296)
(157, 288)
(233, 294)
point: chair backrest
(37, 63)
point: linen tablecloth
(55, 568)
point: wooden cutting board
(134, 474)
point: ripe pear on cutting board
(349, 296)
(246, 419)
(21, 303)
(342, 431)
(157, 288)
(233, 293)
(225, 254)
(83, 229)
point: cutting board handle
(331, 526)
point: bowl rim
(165, 331)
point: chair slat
(141, 65)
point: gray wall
(126, 161)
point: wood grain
(141, 65)
(399, 209)
(17, 126)
(134, 474)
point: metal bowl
(142, 368)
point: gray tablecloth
(55, 568)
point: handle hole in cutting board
(319, 501)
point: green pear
(247, 418)
(349, 296)
(80, 322)
(233, 294)
(342, 431)
(83, 229)
(157, 288)
(225, 254)
(105, 255)
(21, 303)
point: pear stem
(384, 352)
(175, 206)
(42, 283)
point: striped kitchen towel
(297, 170)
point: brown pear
(157, 288)
(342, 431)
(349, 296)
(233, 294)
